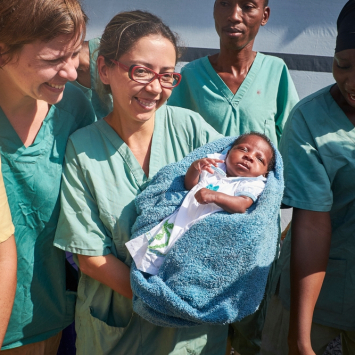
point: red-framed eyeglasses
(144, 75)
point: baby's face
(249, 158)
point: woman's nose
(154, 86)
(68, 71)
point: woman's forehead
(152, 50)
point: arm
(193, 173)
(231, 204)
(80, 225)
(311, 237)
(109, 271)
(8, 267)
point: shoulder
(195, 64)
(75, 102)
(90, 133)
(272, 61)
(175, 112)
(183, 117)
(311, 104)
(188, 125)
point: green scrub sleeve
(182, 96)
(307, 184)
(80, 229)
(287, 98)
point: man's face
(237, 22)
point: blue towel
(216, 273)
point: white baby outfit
(149, 249)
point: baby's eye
(261, 160)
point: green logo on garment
(166, 229)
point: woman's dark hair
(272, 162)
(126, 28)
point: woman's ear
(2, 54)
(103, 70)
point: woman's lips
(351, 97)
(147, 104)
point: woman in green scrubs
(316, 296)
(107, 165)
(38, 112)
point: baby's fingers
(208, 168)
(214, 161)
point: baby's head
(251, 155)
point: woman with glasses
(107, 165)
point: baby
(230, 182)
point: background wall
(302, 32)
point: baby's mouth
(243, 166)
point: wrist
(299, 346)
(215, 197)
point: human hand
(205, 196)
(205, 164)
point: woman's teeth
(352, 97)
(56, 86)
(147, 103)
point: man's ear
(266, 16)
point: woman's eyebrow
(150, 66)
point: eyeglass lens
(145, 75)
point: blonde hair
(26, 21)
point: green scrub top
(102, 104)
(318, 151)
(100, 183)
(32, 176)
(262, 103)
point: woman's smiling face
(41, 69)
(133, 100)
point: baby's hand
(205, 196)
(205, 164)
